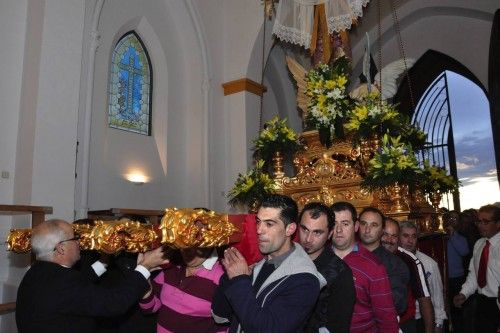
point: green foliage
(394, 162)
(252, 186)
(276, 136)
(372, 116)
(436, 180)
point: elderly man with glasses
(53, 297)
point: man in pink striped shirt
(182, 294)
(374, 308)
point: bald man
(53, 297)
(418, 289)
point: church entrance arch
(437, 81)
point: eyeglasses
(485, 222)
(75, 238)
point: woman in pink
(182, 294)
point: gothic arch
(424, 72)
(422, 75)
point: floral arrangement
(276, 136)
(373, 116)
(395, 162)
(436, 180)
(251, 187)
(329, 102)
(413, 136)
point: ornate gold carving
(84, 231)
(182, 228)
(179, 228)
(19, 240)
(124, 235)
(399, 198)
(326, 174)
(278, 165)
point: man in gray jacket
(280, 293)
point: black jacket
(53, 298)
(336, 301)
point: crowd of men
(346, 273)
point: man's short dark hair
(491, 209)
(376, 211)
(289, 210)
(344, 205)
(316, 209)
(393, 221)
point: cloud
(474, 156)
(463, 166)
(487, 186)
(478, 180)
(492, 172)
(472, 159)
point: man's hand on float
(153, 259)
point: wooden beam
(154, 216)
(7, 308)
(233, 87)
(37, 212)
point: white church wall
(57, 106)
(172, 158)
(43, 54)
(12, 34)
(232, 31)
(459, 29)
(270, 102)
(277, 78)
(211, 15)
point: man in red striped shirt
(374, 308)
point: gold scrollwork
(182, 228)
(179, 228)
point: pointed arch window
(130, 86)
(454, 112)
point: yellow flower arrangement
(276, 136)
(436, 180)
(372, 116)
(252, 186)
(328, 98)
(394, 162)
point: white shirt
(100, 268)
(436, 288)
(492, 270)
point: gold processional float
(179, 229)
(335, 174)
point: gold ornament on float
(179, 228)
(183, 228)
(19, 240)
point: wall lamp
(136, 178)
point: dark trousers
(469, 314)
(487, 314)
(456, 314)
(409, 326)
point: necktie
(483, 263)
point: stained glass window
(130, 86)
